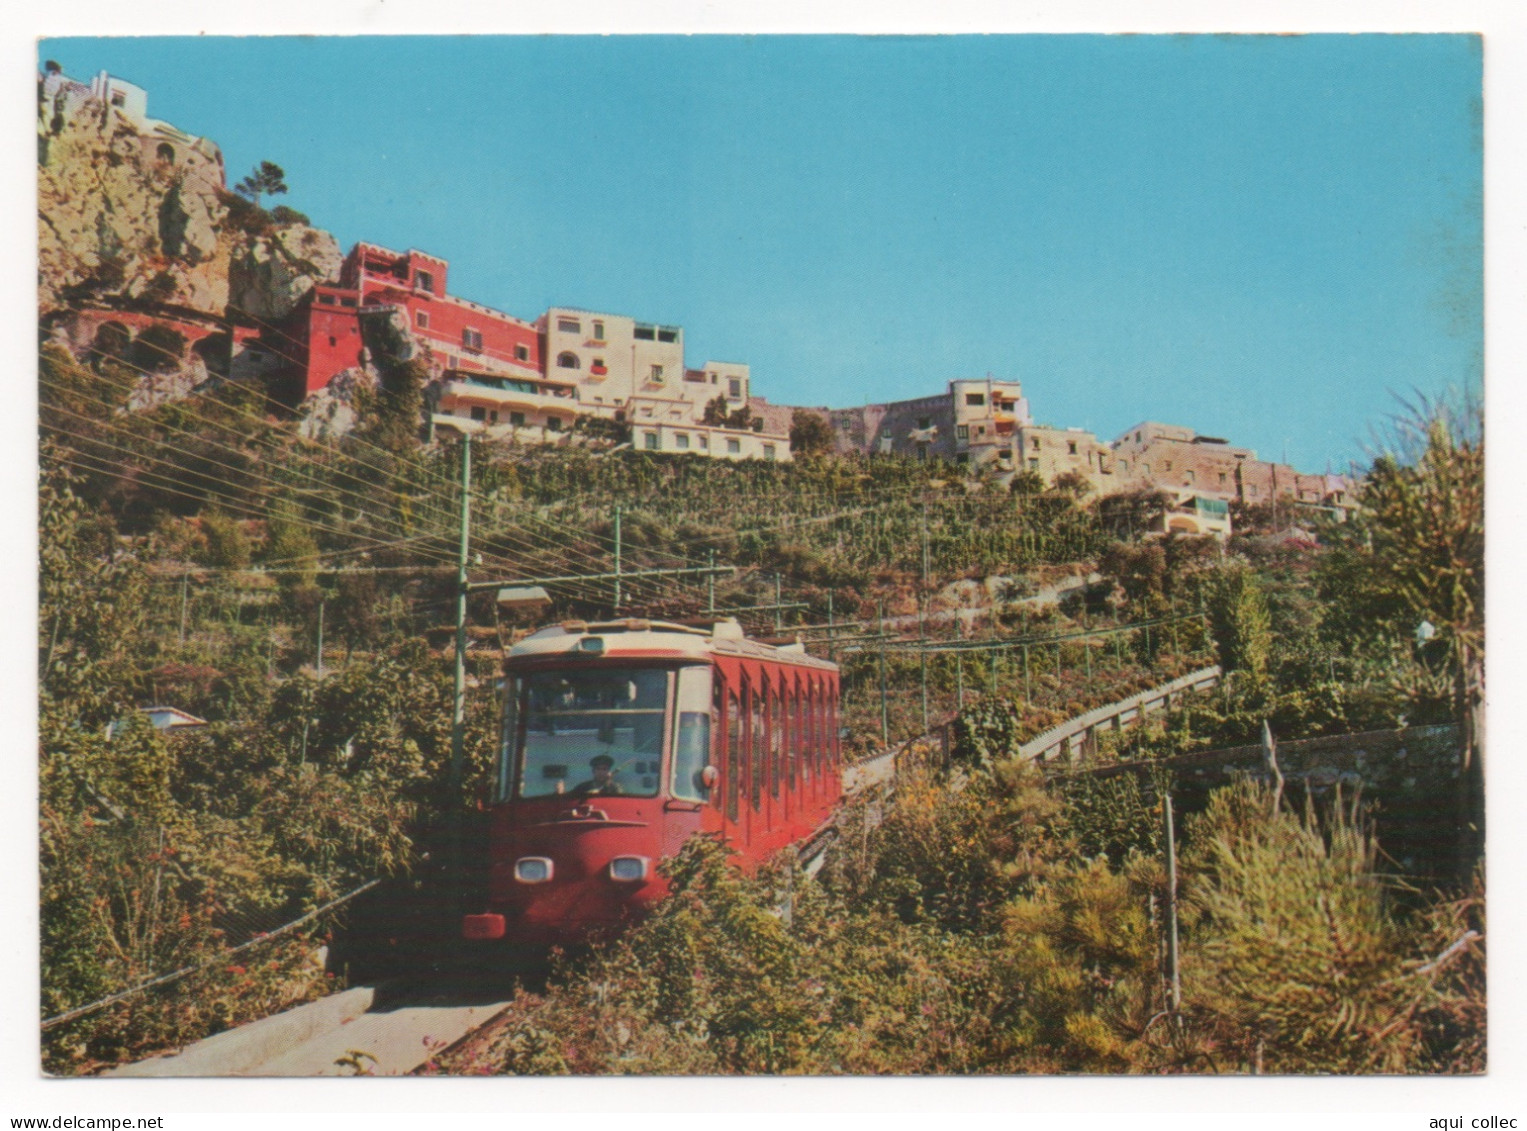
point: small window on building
(1187, 477)
(1034, 442)
(1071, 447)
(567, 361)
(424, 281)
(599, 331)
(553, 424)
(327, 300)
(517, 419)
(479, 413)
(657, 374)
(569, 326)
(1033, 465)
(333, 341)
(521, 353)
(1166, 465)
(652, 441)
(962, 431)
(118, 98)
(980, 429)
(733, 446)
(768, 451)
(471, 339)
(734, 387)
(681, 440)
(166, 152)
(644, 333)
(925, 422)
(975, 398)
(667, 335)
(347, 302)
(421, 319)
(598, 366)
(704, 442)
(1222, 478)
(452, 361)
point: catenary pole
(616, 609)
(885, 716)
(459, 686)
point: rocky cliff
(118, 225)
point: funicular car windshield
(587, 731)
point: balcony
(508, 392)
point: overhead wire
(184, 483)
(186, 407)
(356, 499)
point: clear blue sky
(1264, 238)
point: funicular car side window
(734, 762)
(691, 751)
(758, 750)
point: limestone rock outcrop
(335, 409)
(104, 213)
(268, 276)
(118, 226)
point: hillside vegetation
(297, 594)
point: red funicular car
(622, 740)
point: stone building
(973, 424)
(504, 377)
(1173, 458)
(1052, 452)
(61, 99)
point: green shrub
(1297, 961)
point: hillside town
(294, 312)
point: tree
(1027, 482)
(399, 406)
(284, 216)
(227, 546)
(1140, 572)
(1132, 513)
(715, 412)
(1242, 625)
(1072, 483)
(1414, 554)
(810, 434)
(159, 348)
(266, 179)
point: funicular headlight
(629, 869)
(532, 869)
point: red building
(324, 336)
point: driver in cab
(603, 783)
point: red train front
(621, 740)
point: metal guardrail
(1058, 739)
